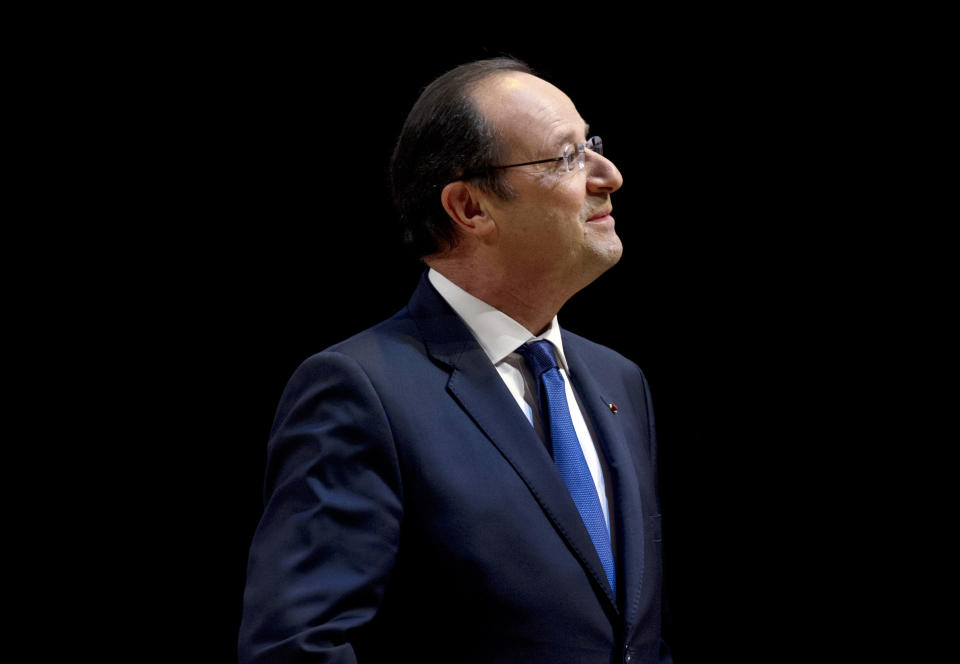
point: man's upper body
(413, 510)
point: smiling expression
(558, 224)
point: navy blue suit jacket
(412, 513)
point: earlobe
(464, 203)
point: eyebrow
(572, 137)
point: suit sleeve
(327, 541)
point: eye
(571, 158)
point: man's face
(557, 226)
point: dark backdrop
(265, 233)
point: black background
(249, 164)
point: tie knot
(539, 357)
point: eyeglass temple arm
(471, 174)
(531, 163)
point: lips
(601, 215)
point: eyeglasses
(573, 158)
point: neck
(532, 302)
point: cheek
(573, 198)
(552, 215)
(566, 199)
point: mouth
(603, 215)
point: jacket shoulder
(382, 340)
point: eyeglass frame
(595, 143)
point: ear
(464, 203)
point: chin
(600, 260)
(609, 253)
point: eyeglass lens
(573, 155)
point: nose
(602, 176)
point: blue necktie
(567, 454)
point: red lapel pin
(613, 408)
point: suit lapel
(626, 491)
(475, 384)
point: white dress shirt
(499, 336)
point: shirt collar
(497, 333)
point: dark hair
(445, 136)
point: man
(441, 488)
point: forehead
(528, 112)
